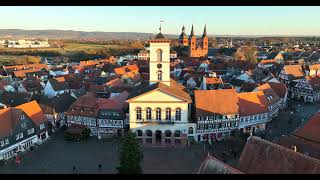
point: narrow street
(281, 125)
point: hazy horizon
(220, 20)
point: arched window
(158, 114)
(159, 55)
(168, 114)
(139, 133)
(159, 74)
(190, 130)
(149, 113)
(167, 133)
(138, 114)
(177, 133)
(149, 133)
(178, 114)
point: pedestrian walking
(74, 168)
(100, 167)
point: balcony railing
(155, 121)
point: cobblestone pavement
(172, 160)
(58, 156)
(281, 125)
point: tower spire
(204, 31)
(192, 33)
(183, 29)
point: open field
(74, 51)
(68, 47)
(6, 60)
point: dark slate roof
(80, 92)
(13, 99)
(160, 36)
(62, 102)
(236, 82)
(58, 86)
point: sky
(220, 20)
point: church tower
(205, 41)
(192, 43)
(183, 39)
(159, 65)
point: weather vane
(161, 21)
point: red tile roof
(213, 80)
(212, 165)
(263, 157)
(311, 130)
(294, 71)
(269, 93)
(9, 118)
(224, 102)
(268, 61)
(34, 112)
(279, 88)
(314, 81)
(124, 69)
(252, 103)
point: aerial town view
(152, 90)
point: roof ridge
(283, 148)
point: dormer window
(22, 117)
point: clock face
(159, 66)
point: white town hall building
(159, 113)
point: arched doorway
(148, 136)
(167, 136)
(158, 137)
(177, 137)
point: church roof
(174, 89)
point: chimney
(294, 148)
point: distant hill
(69, 34)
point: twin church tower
(195, 47)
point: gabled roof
(252, 103)
(124, 69)
(13, 99)
(59, 84)
(34, 112)
(9, 118)
(269, 93)
(314, 81)
(223, 102)
(278, 88)
(310, 130)
(212, 165)
(174, 89)
(213, 80)
(32, 84)
(263, 157)
(236, 82)
(248, 87)
(294, 71)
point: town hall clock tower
(159, 60)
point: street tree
(130, 155)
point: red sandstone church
(192, 46)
